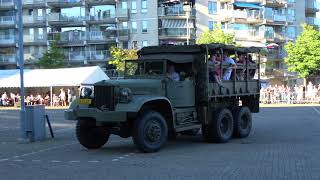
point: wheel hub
(153, 131)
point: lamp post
(187, 9)
(21, 66)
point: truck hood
(137, 86)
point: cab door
(181, 93)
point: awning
(176, 23)
(247, 5)
(52, 77)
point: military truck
(151, 108)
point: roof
(192, 49)
(53, 77)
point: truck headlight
(125, 95)
(85, 92)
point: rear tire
(150, 131)
(91, 136)
(220, 128)
(242, 122)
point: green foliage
(53, 58)
(304, 54)
(119, 55)
(217, 35)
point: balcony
(98, 55)
(7, 40)
(7, 21)
(276, 37)
(34, 3)
(6, 4)
(274, 3)
(75, 56)
(99, 37)
(68, 38)
(7, 58)
(312, 6)
(64, 3)
(174, 12)
(62, 20)
(279, 20)
(248, 35)
(34, 40)
(37, 21)
(123, 34)
(242, 16)
(105, 18)
(101, 2)
(122, 14)
(313, 21)
(176, 33)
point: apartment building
(259, 23)
(86, 29)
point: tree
(304, 55)
(119, 55)
(53, 58)
(217, 35)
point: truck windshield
(144, 68)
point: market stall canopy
(52, 77)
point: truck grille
(104, 97)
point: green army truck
(151, 108)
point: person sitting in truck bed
(215, 74)
(228, 71)
(172, 74)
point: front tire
(91, 136)
(242, 122)
(150, 132)
(220, 128)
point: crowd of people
(64, 98)
(290, 95)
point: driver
(172, 74)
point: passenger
(215, 75)
(172, 74)
(251, 64)
(230, 62)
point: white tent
(52, 77)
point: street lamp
(187, 9)
(21, 66)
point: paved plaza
(284, 144)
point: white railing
(96, 55)
(65, 17)
(38, 38)
(281, 18)
(4, 3)
(64, 1)
(5, 58)
(7, 39)
(31, 2)
(7, 20)
(33, 19)
(241, 14)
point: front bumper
(99, 116)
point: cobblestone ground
(284, 144)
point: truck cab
(151, 107)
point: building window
(40, 14)
(211, 25)
(133, 6)
(144, 26)
(40, 33)
(144, 43)
(212, 7)
(124, 5)
(291, 32)
(30, 12)
(134, 26)
(125, 44)
(144, 6)
(135, 44)
(125, 25)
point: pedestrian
(62, 97)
